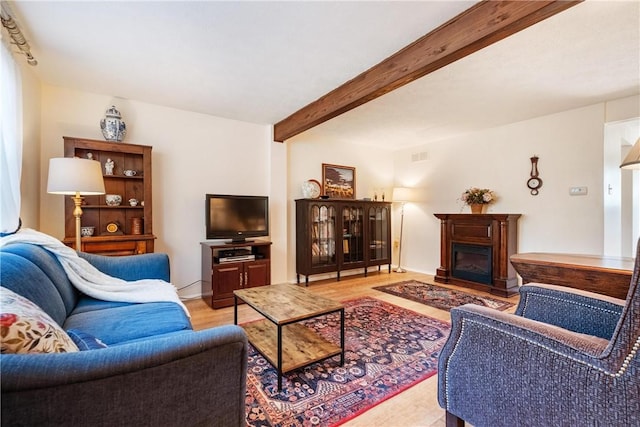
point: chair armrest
(573, 309)
(502, 369)
(192, 378)
(132, 267)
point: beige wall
(193, 154)
(570, 148)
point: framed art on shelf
(339, 182)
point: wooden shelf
(301, 346)
(98, 214)
(111, 207)
(118, 245)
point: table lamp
(632, 160)
(76, 177)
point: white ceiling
(261, 61)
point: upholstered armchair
(565, 358)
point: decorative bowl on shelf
(87, 231)
(113, 199)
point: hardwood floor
(417, 406)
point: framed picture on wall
(339, 182)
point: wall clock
(535, 182)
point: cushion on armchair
(28, 329)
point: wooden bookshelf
(96, 212)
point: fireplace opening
(471, 262)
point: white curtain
(10, 141)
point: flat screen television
(236, 217)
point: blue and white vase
(113, 128)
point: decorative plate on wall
(311, 189)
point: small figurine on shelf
(90, 156)
(108, 167)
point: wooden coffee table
(285, 343)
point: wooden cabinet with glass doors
(337, 235)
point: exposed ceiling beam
(479, 26)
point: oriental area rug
(440, 297)
(387, 350)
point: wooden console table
(604, 275)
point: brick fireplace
(475, 251)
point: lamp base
(77, 212)
(399, 270)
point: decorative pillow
(25, 328)
(84, 340)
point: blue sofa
(154, 371)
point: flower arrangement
(482, 196)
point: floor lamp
(401, 195)
(76, 177)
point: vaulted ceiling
(259, 62)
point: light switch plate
(578, 191)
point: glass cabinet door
(323, 240)
(352, 234)
(379, 233)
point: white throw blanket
(91, 281)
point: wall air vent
(419, 157)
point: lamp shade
(72, 175)
(632, 160)
(402, 194)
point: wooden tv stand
(222, 273)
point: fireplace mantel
(499, 232)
